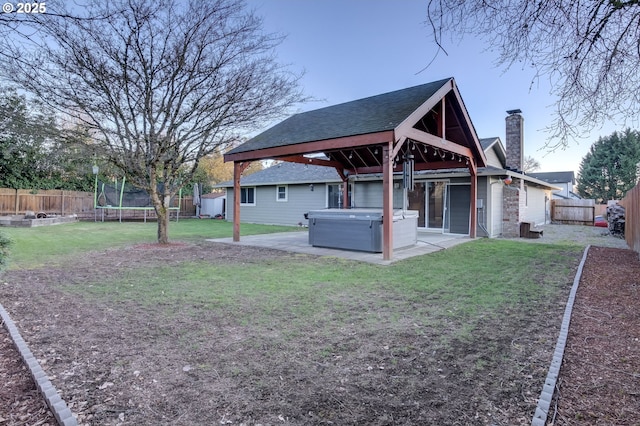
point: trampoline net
(132, 197)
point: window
(248, 196)
(281, 192)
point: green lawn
(33, 246)
(469, 329)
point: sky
(352, 49)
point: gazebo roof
(369, 115)
(430, 116)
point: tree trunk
(161, 206)
(163, 225)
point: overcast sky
(351, 49)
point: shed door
(458, 202)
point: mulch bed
(599, 379)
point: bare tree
(160, 84)
(588, 50)
(530, 164)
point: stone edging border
(544, 402)
(58, 407)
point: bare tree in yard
(530, 164)
(160, 83)
(587, 49)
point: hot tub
(360, 229)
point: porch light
(311, 187)
(95, 169)
(507, 180)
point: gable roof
(495, 144)
(353, 135)
(555, 177)
(369, 115)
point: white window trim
(255, 194)
(286, 193)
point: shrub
(5, 243)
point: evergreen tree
(608, 170)
(34, 152)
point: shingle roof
(487, 142)
(555, 177)
(288, 173)
(363, 116)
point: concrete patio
(428, 242)
(298, 242)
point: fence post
(62, 204)
(17, 201)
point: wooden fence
(631, 204)
(64, 203)
(573, 212)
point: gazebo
(424, 127)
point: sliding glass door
(428, 198)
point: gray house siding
(267, 210)
(484, 199)
(368, 194)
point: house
(414, 149)
(563, 180)
(283, 193)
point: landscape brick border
(58, 407)
(544, 402)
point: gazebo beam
(307, 147)
(436, 142)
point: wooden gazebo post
(387, 201)
(473, 172)
(238, 168)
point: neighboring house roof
(369, 115)
(555, 177)
(287, 173)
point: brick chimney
(514, 139)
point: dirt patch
(129, 363)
